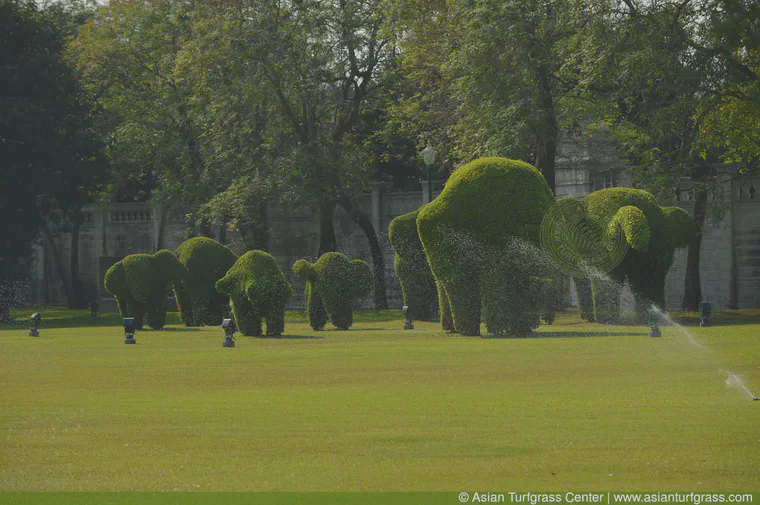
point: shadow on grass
(585, 334)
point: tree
(663, 77)
(318, 61)
(48, 147)
(508, 67)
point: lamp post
(428, 156)
(129, 330)
(654, 326)
(34, 322)
(704, 313)
(408, 325)
(229, 332)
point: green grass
(580, 407)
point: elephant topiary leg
(606, 296)
(343, 316)
(585, 298)
(247, 317)
(275, 322)
(444, 308)
(317, 312)
(648, 291)
(464, 296)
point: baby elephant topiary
(141, 285)
(412, 269)
(206, 261)
(333, 283)
(258, 290)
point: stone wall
(730, 255)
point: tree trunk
(163, 213)
(547, 130)
(261, 234)
(378, 265)
(327, 240)
(59, 263)
(223, 229)
(692, 294)
(76, 299)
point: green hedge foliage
(141, 284)
(475, 234)
(258, 290)
(417, 282)
(206, 261)
(333, 283)
(653, 234)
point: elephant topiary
(480, 236)
(206, 261)
(258, 290)
(652, 234)
(332, 284)
(417, 282)
(141, 285)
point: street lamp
(428, 156)
(34, 322)
(229, 332)
(129, 330)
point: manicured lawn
(580, 407)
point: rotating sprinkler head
(756, 398)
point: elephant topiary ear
(115, 280)
(635, 226)
(362, 280)
(681, 226)
(305, 270)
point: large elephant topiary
(141, 284)
(206, 261)
(417, 282)
(258, 290)
(652, 235)
(333, 283)
(480, 236)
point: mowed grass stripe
(378, 408)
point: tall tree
(48, 149)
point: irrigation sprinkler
(129, 330)
(408, 325)
(34, 322)
(704, 313)
(229, 332)
(654, 326)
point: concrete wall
(730, 255)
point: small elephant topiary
(141, 284)
(652, 234)
(206, 261)
(417, 282)
(258, 290)
(333, 283)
